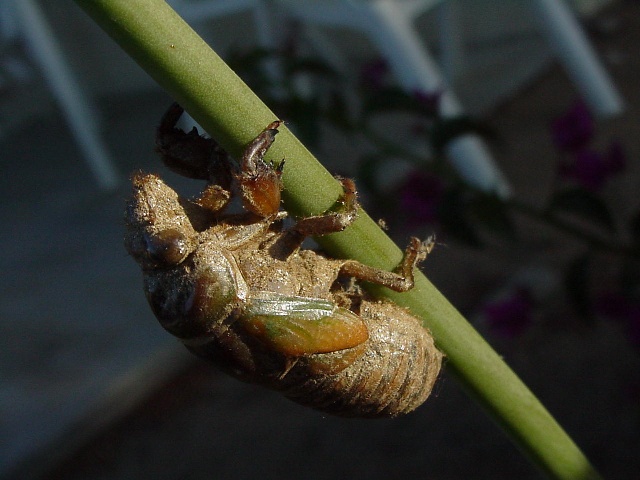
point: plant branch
(173, 54)
(591, 239)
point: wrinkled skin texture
(238, 289)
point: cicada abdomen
(394, 375)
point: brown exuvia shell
(240, 291)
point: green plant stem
(174, 55)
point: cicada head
(159, 232)
(189, 288)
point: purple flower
(420, 197)
(430, 100)
(592, 169)
(574, 129)
(511, 316)
(374, 75)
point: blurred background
(508, 128)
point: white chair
(23, 19)
(385, 21)
(390, 26)
(568, 41)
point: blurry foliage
(308, 93)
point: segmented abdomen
(395, 375)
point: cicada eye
(167, 247)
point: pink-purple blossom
(511, 316)
(374, 75)
(573, 134)
(420, 196)
(591, 168)
(574, 129)
(430, 100)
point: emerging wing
(297, 326)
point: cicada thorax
(194, 299)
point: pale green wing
(297, 326)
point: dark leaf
(392, 99)
(338, 113)
(310, 66)
(584, 204)
(303, 116)
(250, 67)
(453, 214)
(367, 172)
(630, 277)
(491, 212)
(245, 60)
(634, 229)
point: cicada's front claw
(259, 182)
(191, 154)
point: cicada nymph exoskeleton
(239, 290)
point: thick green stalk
(194, 75)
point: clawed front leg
(191, 154)
(401, 280)
(260, 183)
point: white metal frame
(569, 43)
(25, 19)
(390, 26)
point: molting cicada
(239, 290)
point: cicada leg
(191, 154)
(330, 222)
(260, 183)
(400, 280)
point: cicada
(238, 288)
